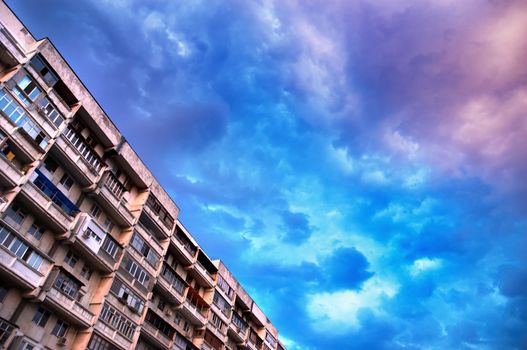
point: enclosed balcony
(157, 330)
(96, 246)
(217, 326)
(204, 271)
(51, 205)
(185, 245)
(156, 218)
(112, 197)
(238, 328)
(63, 296)
(172, 285)
(115, 326)
(24, 131)
(19, 262)
(254, 342)
(195, 308)
(78, 157)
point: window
(144, 249)
(180, 342)
(221, 303)
(41, 317)
(43, 69)
(50, 112)
(93, 235)
(6, 329)
(137, 272)
(98, 343)
(270, 339)
(66, 181)
(153, 203)
(27, 90)
(111, 247)
(173, 278)
(36, 231)
(67, 285)
(86, 272)
(15, 216)
(108, 225)
(71, 259)
(60, 329)
(17, 115)
(117, 320)
(127, 296)
(50, 165)
(95, 211)
(19, 248)
(217, 322)
(160, 324)
(224, 286)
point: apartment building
(92, 254)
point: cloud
(340, 311)
(358, 165)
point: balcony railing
(185, 242)
(54, 194)
(84, 149)
(72, 306)
(114, 185)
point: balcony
(155, 336)
(219, 333)
(20, 272)
(90, 240)
(195, 308)
(78, 158)
(24, 132)
(238, 329)
(254, 342)
(111, 195)
(185, 247)
(112, 334)
(43, 196)
(157, 218)
(10, 176)
(172, 284)
(70, 309)
(204, 270)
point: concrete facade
(92, 254)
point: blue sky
(359, 165)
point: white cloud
(339, 311)
(424, 265)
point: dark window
(50, 164)
(60, 329)
(66, 181)
(36, 231)
(98, 343)
(43, 69)
(41, 317)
